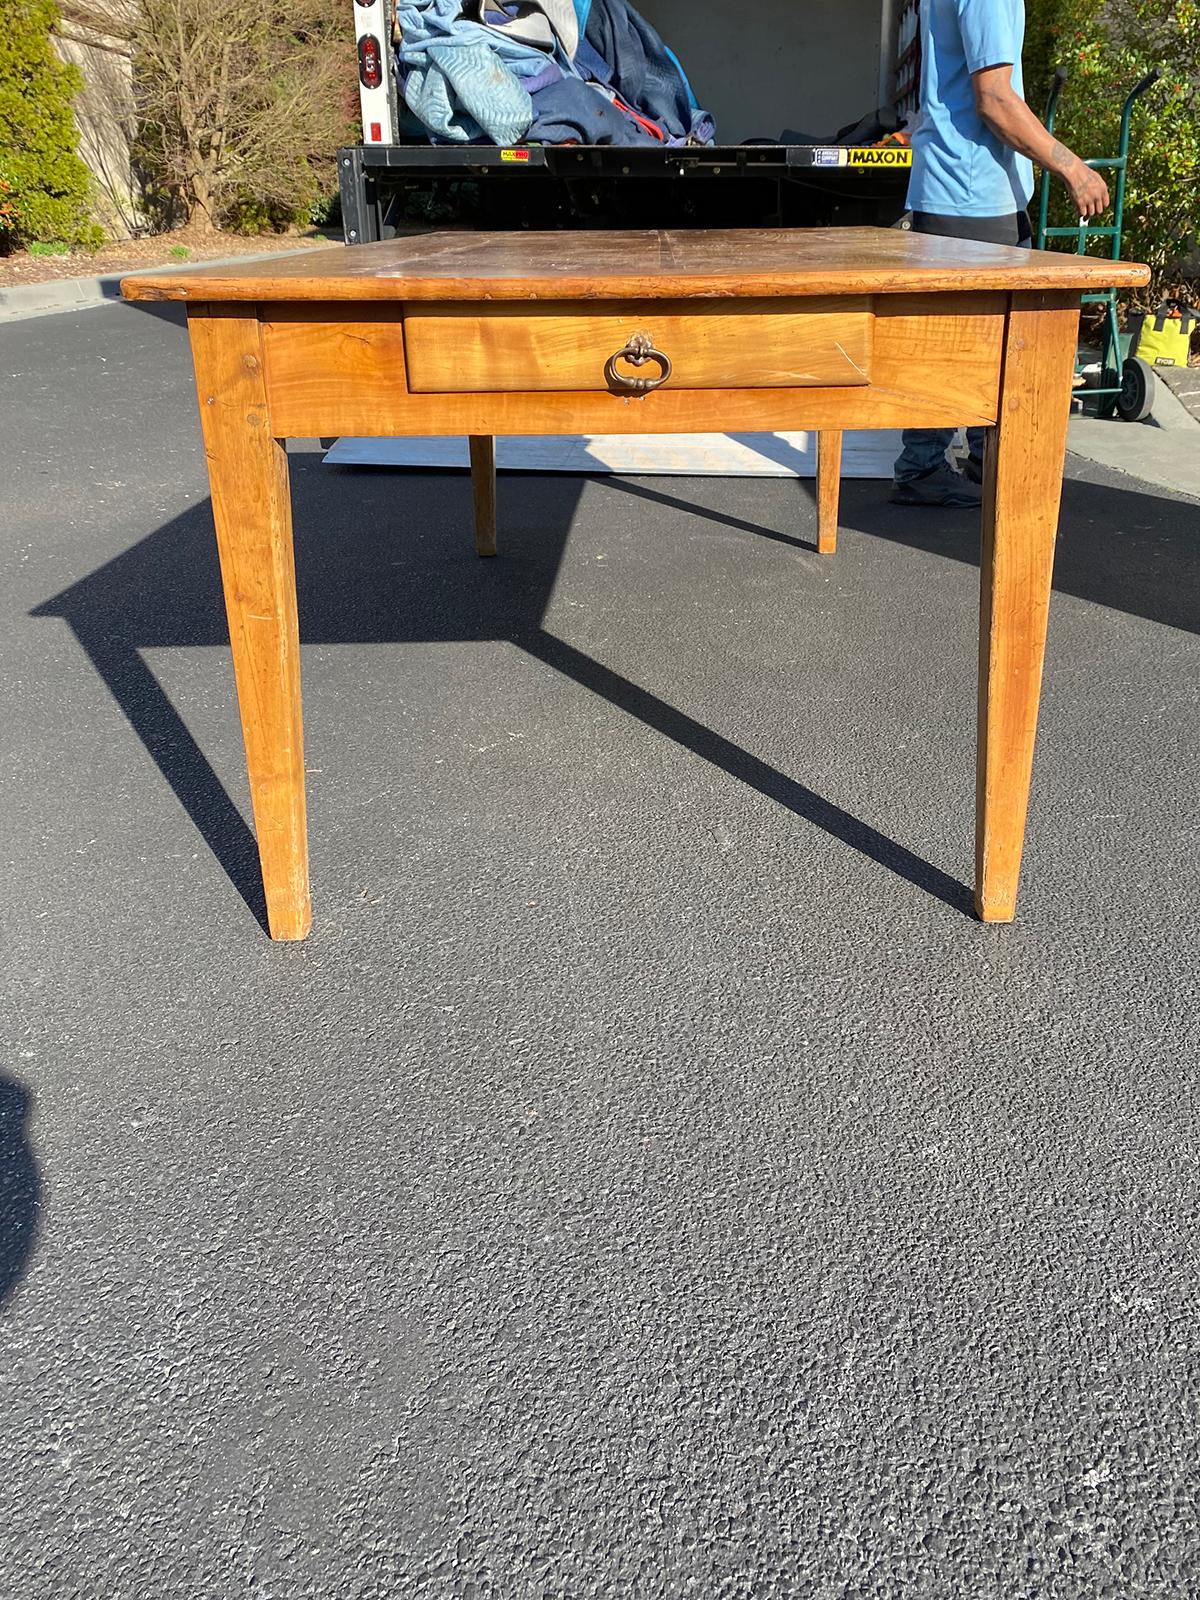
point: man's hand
(1087, 189)
(1015, 125)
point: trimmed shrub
(44, 186)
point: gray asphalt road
(648, 1180)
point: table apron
(336, 369)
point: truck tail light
(370, 62)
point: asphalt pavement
(648, 1180)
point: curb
(1160, 451)
(1172, 412)
(76, 294)
(1184, 383)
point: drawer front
(742, 344)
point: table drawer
(747, 344)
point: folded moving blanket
(469, 70)
(644, 72)
(543, 23)
(571, 112)
(465, 80)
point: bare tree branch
(238, 108)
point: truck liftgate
(605, 186)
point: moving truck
(781, 79)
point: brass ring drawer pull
(637, 352)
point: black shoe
(941, 487)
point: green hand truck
(1126, 382)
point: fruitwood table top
(758, 263)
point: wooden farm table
(576, 333)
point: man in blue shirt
(972, 178)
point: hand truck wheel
(1136, 399)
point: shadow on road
(20, 1187)
(386, 557)
(1121, 548)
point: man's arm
(1011, 120)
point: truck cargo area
(779, 79)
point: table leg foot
(483, 487)
(829, 484)
(1022, 490)
(997, 912)
(251, 505)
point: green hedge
(44, 186)
(1106, 46)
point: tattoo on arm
(1060, 157)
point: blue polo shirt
(960, 168)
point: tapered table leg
(829, 485)
(483, 487)
(1022, 490)
(248, 475)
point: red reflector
(376, 134)
(370, 62)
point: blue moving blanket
(644, 72)
(571, 112)
(470, 70)
(465, 80)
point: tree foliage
(44, 186)
(242, 106)
(1106, 46)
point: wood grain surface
(1020, 521)
(335, 369)
(248, 476)
(747, 263)
(829, 489)
(772, 344)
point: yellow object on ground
(1163, 337)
